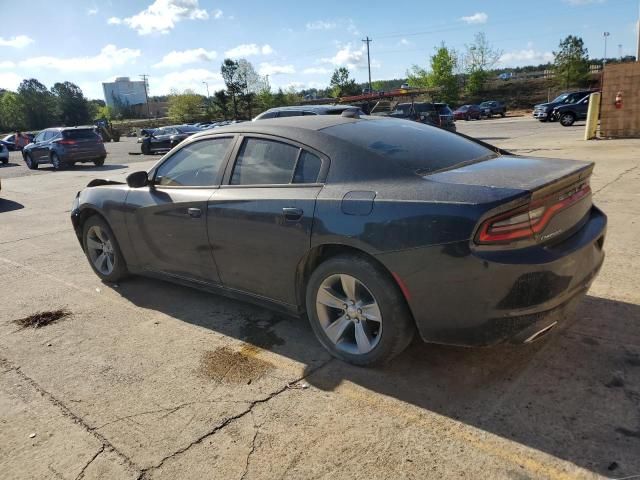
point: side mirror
(138, 179)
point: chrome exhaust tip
(540, 333)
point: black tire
(567, 119)
(5, 161)
(503, 114)
(31, 163)
(56, 162)
(98, 162)
(467, 118)
(145, 148)
(119, 265)
(398, 325)
(489, 115)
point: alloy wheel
(100, 249)
(349, 314)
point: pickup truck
(491, 108)
(568, 114)
(544, 111)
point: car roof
(317, 108)
(65, 129)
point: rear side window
(290, 113)
(266, 115)
(420, 148)
(264, 162)
(80, 134)
(308, 168)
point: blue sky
(180, 43)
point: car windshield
(420, 148)
(443, 110)
(464, 108)
(560, 98)
(485, 104)
(187, 129)
(83, 134)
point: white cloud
(19, 41)
(186, 79)
(404, 42)
(267, 68)
(179, 58)
(248, 50)
(316, 71)
(92, 11)
(108, 58)
(321, 25)
(7, 64)
(10, 80)
(350, 57)
(528, 56)
(217, 14)
(161, 16)
(479, 17)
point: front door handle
(194, 212)
(292, 214)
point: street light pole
(605, 35)
(638, 32)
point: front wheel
(503, 114)
(567, 119)
(98, 162)
(145, 148)
(357, 312)
(5, 161)
(56, 162)
(102, 250)
(31, 163)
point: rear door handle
(194, 212)
(292, 214)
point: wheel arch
(84, 214)
(322, 253)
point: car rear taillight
(66, 141)
(525, 222)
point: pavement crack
(144, 473)
(619, 177)
(67, 412)
(253, 448)
(84, 469)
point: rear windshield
(421, 148)
(443, 109)
(80, 134)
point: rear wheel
(357, 312)
(567, 119)
(102, 250)
(56, 162)
(145, 148)
(5, 161)
(503, 114)
(98, 162)
(31, 163)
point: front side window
(264, 162)
(39, 137)
(195, 165)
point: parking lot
(147, 379)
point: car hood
(544, 105)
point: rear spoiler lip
(493, 148)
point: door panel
(168, 228)
(259, 235)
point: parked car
(374, 227)
(437, 114)
(543, 111)
(297, 111)
(4, 154)
(65, 146)
(467, 112)
(569, 113)
(492, 107)
(9, 140)
(405, 86)
(165, 138)
(506, 76)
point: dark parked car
(569, 113)
(491, 108)
(467, 112)
(298, 111)
(543, 111)
(9, 141)
(165, 138)
(65, 146)
(373, 226)
(437, 114)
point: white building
(124, 92)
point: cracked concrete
(118, 390)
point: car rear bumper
(461, 296)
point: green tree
(186, 106)
(38, 104)
(11, 112)
(235, 81)
(480, 57)
(341, 83)
(442, 74)
(72, 108)
(105, 112)
(221, 102)
(571, 62)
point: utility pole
(638, 32)
(368, 41)
(605, 35)
(620, 51)
(144, 78)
